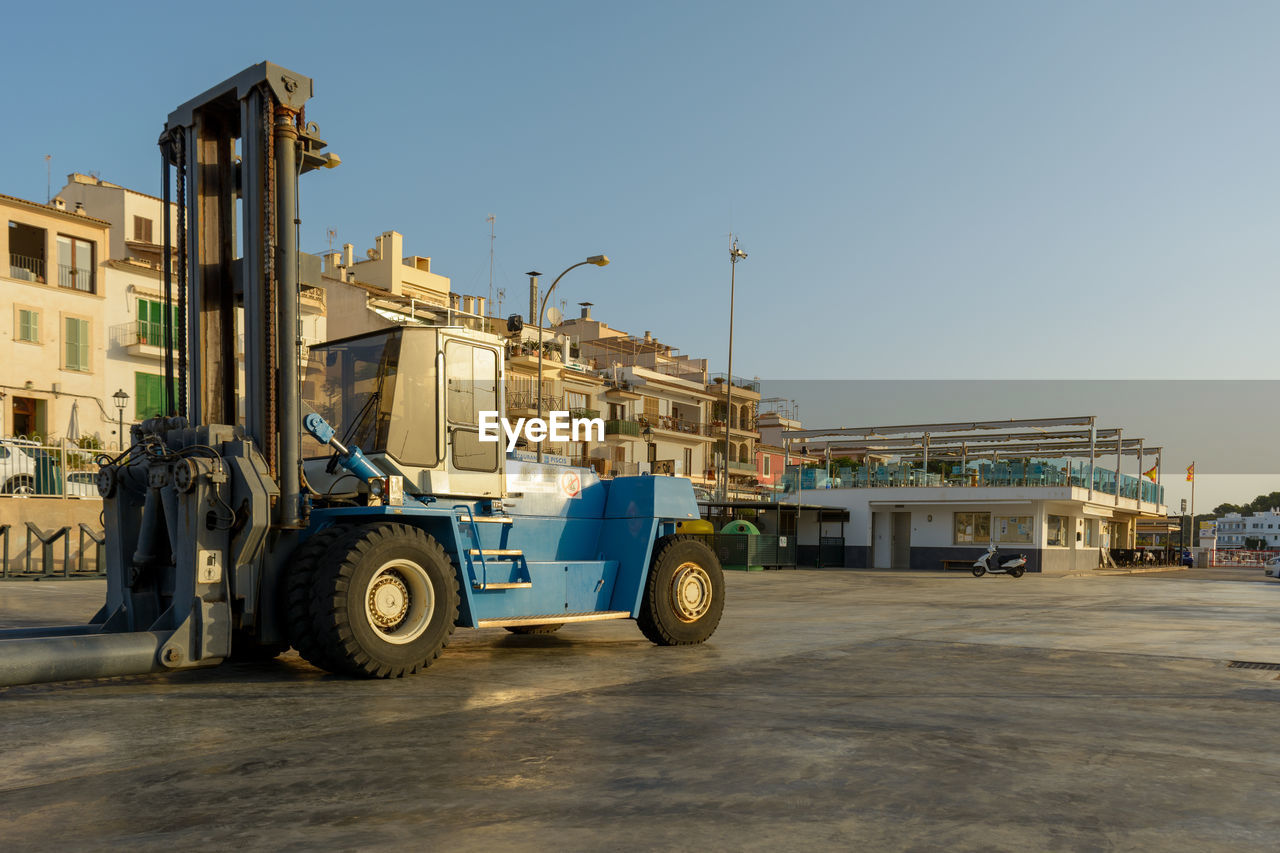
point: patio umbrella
(73, 428)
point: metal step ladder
(480, 580)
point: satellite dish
(554, 316)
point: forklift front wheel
(684, 595)
(388, 603)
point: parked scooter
(991, 563)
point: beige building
(54, 338)
(133, 268)
(135, 313)
(387, 288)
(649, 384)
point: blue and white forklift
(353, 513)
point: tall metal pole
(597, 260)
(489, 304)
(120, 409)
(735, 255)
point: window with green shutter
(76, 340)
(29, 326)
(148, 395)
(151, 322)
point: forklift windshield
(351, 384)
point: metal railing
(738, 382)
(671, 424)
(38, 469)
(1023, 474)
(75, 278)
(619, 427)
(26, 267)
(39, 560)
(147, 332)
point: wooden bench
(957, 564)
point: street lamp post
(596, 260)
(735, 255)
(647, 435)
(121, 400)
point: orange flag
(1152, 473)
(1191, 472)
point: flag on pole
(1191, 472)
(1151, 475)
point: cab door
(473, 384)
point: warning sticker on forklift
(571, 484)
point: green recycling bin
(739, 547)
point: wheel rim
(691, 592)
(399, 601)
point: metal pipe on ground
(48, 631)
(35, 661)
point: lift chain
(183, 341)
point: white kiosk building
(947, 490)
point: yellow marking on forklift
(496, 552)
(503, 585)
(553, 618)
(492, 519)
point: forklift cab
(411, 399)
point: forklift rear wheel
(303, 569)
(684, 595)
(549, 628)
(387, 602)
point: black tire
(20, 485)
(386, 603)
(548, 628)
(1017, 573)
(684, 593)
(978, 571)
(303, 568)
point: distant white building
(1233, 529)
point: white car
(82, 484)
(18, 463)
(1272, 567)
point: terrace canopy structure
(1019, 451)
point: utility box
(739, 547)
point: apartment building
(387, 288)
(1234, 531)
(135, 312)
(735, 408)
(53, 300)
(657, 402)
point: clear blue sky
(920, 185)
(935, 190)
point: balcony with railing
(719, 379)
(140, 337)
(672, 424)
(75, 278)
(26, 268)
(624, 428)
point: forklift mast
(235, 153)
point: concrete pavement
(845, 710)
